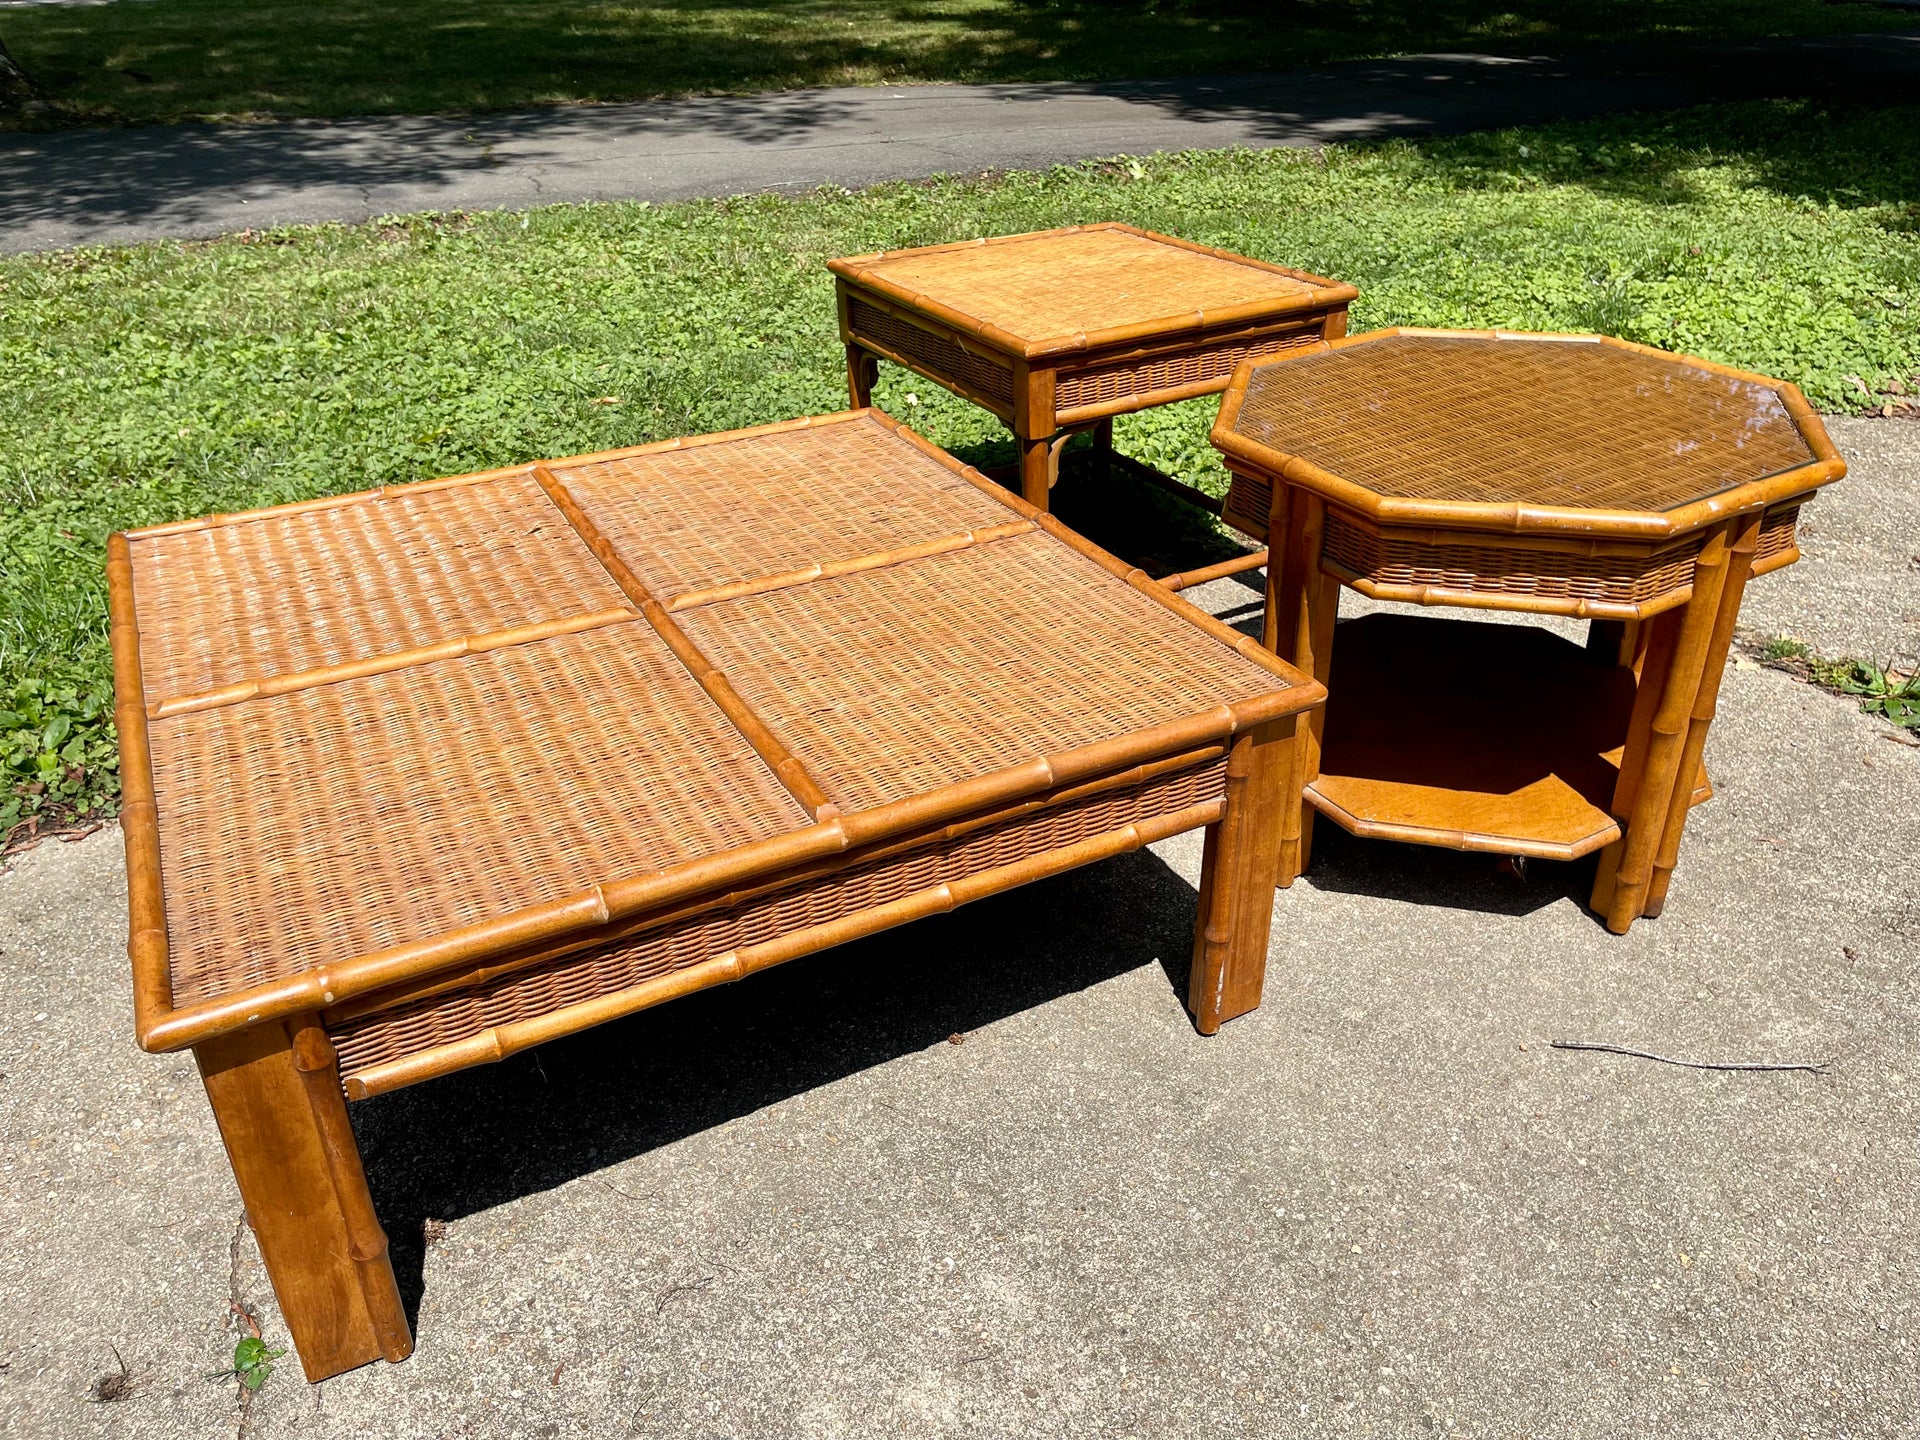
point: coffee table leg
(1653, 792)
(276, 1095)
(1236, 877)
(863, 372)
(1739, 567)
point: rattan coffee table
(419, 778)
(1059, 331)
(1552, 475)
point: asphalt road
(118, 186)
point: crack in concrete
(239, 1310)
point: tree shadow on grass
(209, 57)
(1847, 152)
(511, 55)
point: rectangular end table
(1059, 331)
(418, 778)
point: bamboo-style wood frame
(1037, 368)
(271, 1068)
(1675, 639)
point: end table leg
(1103, 450)
(1236, 878)
(1705, 703)
(863, 372)
(1040, 468)
(1666, 740)
(276, 1095)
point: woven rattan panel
(1248, 505)
(285, 593)
(1545, 422)
(1106, 383)
(346, 818)
(1049, 286)
(935, 354)
(1503, 570)
(712, 514)
(1777, 532)
(455, 1015)
(892, 682)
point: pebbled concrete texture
(1856, 587)
(1380, 1205)
(120, 186)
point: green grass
(152, 383)
(163, 60)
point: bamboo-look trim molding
(382, 664)
(791, 773)
(1239, 565)
(1321, 292)
(440, 982)
(1668, 733)
(1469, 840)
(1745, 540)
(324, 502)
(500, 1041)
(1575, 607)
(161, 1027)
(1515, 517)
(139, 815)
(481, 477)
(827, 570)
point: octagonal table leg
(1706, 701)
(1649, 778)
(276, 1094)
(1236, 878)
(1302, 605)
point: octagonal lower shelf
(1473, 736)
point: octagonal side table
(1058, 331)
(1577, 476)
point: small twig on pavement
(1813, 1068)
(685, 1289)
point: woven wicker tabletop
(1499, 421)
(376, 722)
(1068, 289)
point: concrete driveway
(980, 1177)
